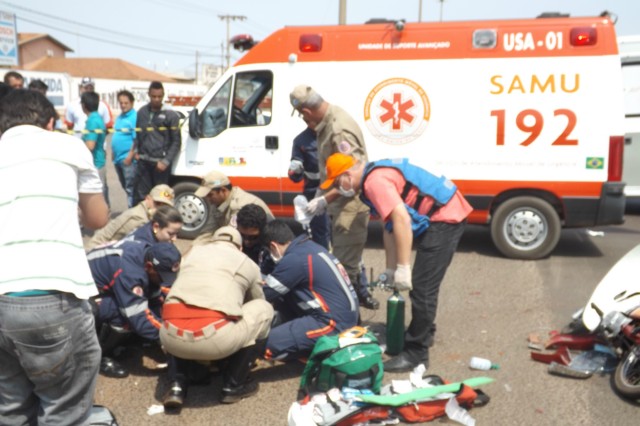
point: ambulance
(629, 47)
(525, 116)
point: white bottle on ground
(482, 364)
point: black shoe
(112, 368)
(403, 362)
(370, 302)
(231, 394)
(174, 398)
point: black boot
(110, 338)
(365, 299)
(236, 383)
(177, 372)
(175, 396)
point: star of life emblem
(397, 111)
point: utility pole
(230, 18)
(419, 10)
(342, 14)
(196, 67)
(441, 7)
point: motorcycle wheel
(626, 379)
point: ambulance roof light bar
(583, 36)
(310, 43)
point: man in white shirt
(49, 352)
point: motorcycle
(613, 312)
(622, 331)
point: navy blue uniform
(305, 150)
(128, 299)
(310, 288)
(143, 234)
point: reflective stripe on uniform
(104, 252)
(134, 310)
(344, 285)
(276, 285)
(309, 304)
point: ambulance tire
(525, 228)
(194, 210)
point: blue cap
(165, 258)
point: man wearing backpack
(310, 291)
(413, 203)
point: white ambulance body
(629, 47)
(525, 116)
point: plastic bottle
(395, 323)
(482, 364)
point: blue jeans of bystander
(126, 175)
(49, 360)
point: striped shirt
(41, 175)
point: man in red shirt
(413, 203)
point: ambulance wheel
(194, 210)
(525, 228)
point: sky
(173, 35)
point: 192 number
(535, 129)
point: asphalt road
(488, 307)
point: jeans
(126, 176)
(49, 360)
(435, 250)
(147, 176)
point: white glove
(402, 278)
(296, 167)
(317, 206)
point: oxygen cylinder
(395, 323)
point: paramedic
(227, 199)
(164, 227)
(413, 203)
(310, 291)
(133, 218)
(129, 276)
(337, 131)
(304, 167)
(216, 310)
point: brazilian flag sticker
(595, 163)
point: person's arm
(94, 212)
(173, 132)
(402, 234)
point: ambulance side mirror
(195, 127)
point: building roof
(26, 38)
(108, 68)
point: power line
(131, 46)
(109, 31)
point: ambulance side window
(252, 99)
(214, 117)
(631, 78)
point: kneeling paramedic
(413, 203)
(130, 277)
(310, 290)
(216, 310)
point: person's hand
(296, 167)
(402, 278)
(387, 277)
(161, 167)
(317, 206)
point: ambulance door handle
(271, 142)
(627, 141)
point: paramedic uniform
(311, 290)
